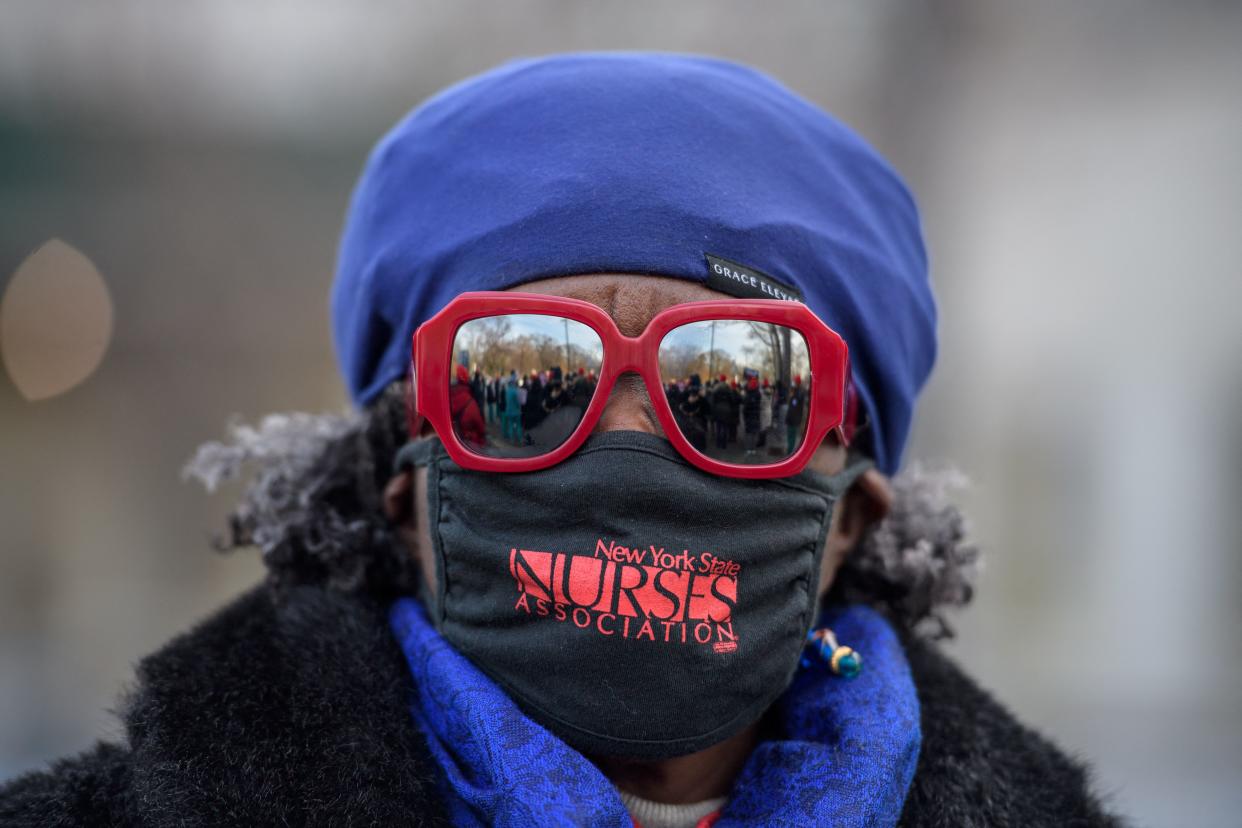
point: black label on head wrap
(747, 282)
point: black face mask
(627, 601)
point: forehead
(631, 299)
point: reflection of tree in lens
(776, 351)
(681, 361)
(498, 346)
(731, 347)
(484, 338)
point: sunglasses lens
(521, 382)
(738, 389)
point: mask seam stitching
(441, 559)
(818, 550)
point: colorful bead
(844, 661)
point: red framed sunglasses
(515, 382)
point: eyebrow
(609, 303)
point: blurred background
(173, 179)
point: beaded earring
(843, 661)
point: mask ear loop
(855, 421)
(414, 453)
(413, 420)
(849, 426)
(408, 456)
(821, 644)
(417, 451)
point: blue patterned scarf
(848, 760)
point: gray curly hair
(314, 510)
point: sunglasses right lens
(738, 389)
(520, 383)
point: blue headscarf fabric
(636, 163)
(847, 757)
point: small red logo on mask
(631, 592)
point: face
(632, 300)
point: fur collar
(280, 712)
(294, 710)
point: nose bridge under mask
(630, 602)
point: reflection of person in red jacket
(467, 418)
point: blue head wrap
(636, 163)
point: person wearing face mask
(606, 620)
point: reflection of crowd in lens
(762, 418)
(537, 409)
(746, 420)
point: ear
(399, 500)
(866, 503)
(406, 509)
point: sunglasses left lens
(520, 383)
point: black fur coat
(293, 712)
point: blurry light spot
(55, 321)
